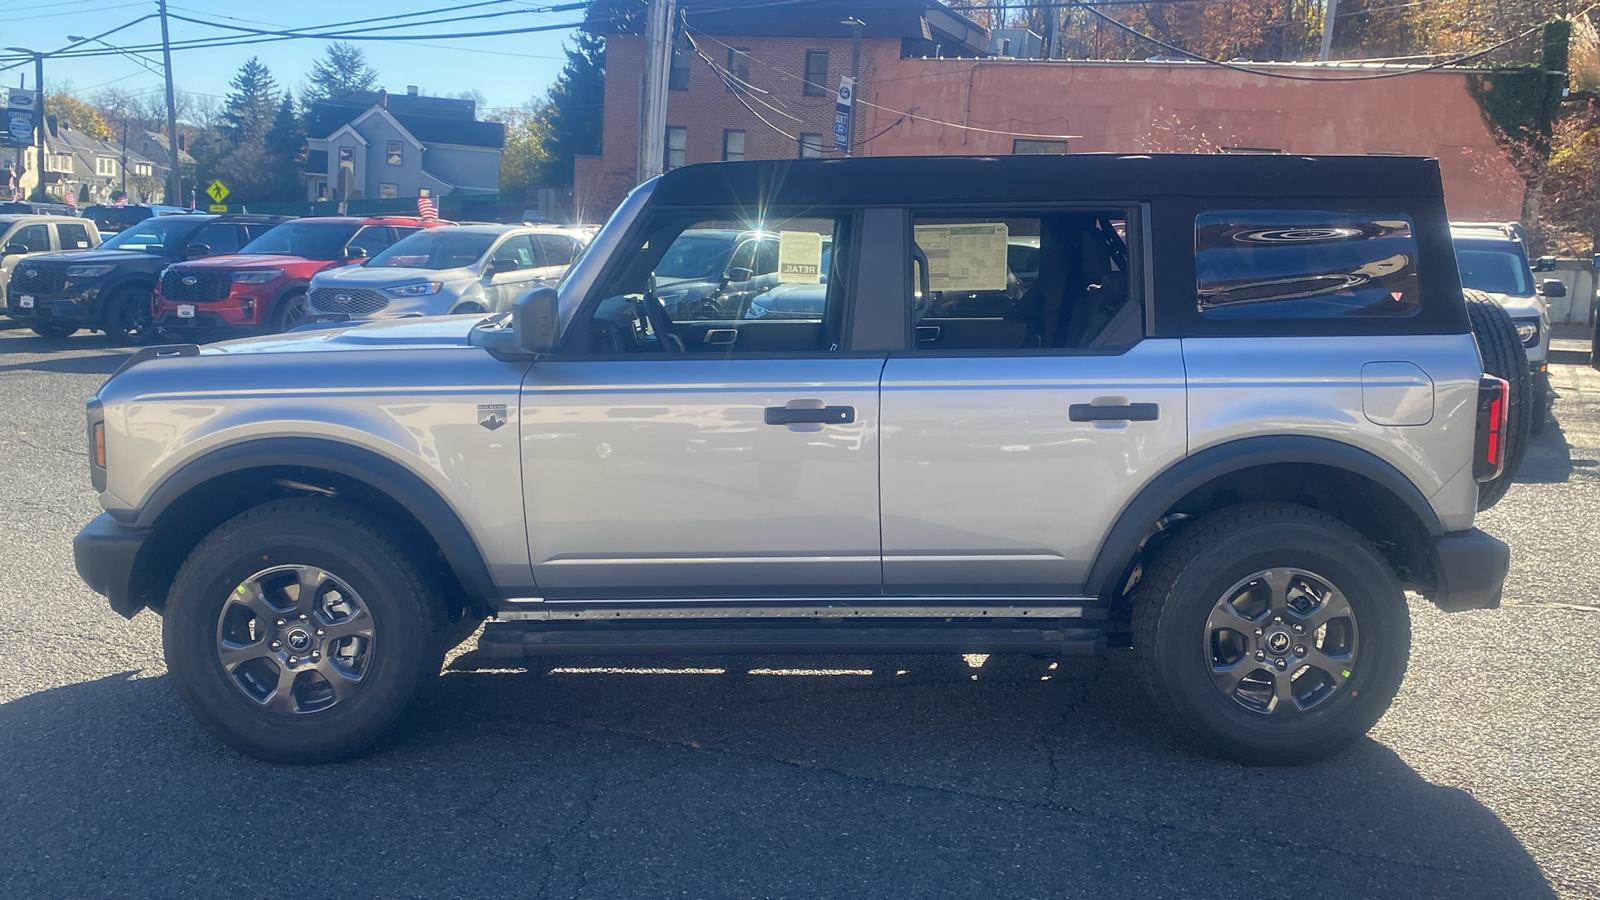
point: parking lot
(793, 777)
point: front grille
(37, 278)
(195, 286)
(355, 301)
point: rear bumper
(1471, 570)
(105, 552)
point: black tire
(54, 331)
(130, 316)
(468, 309)
(1541, 403)
(289, 312)
(1190, 579)
(1503, 356)
(405, 619)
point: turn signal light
(100, 444)
(1489, 454)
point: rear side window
(1305, 264)
(558, 250)
(73, 237)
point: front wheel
(300, 630)
(129, 316)
(291, 311)
(1274, 633)
(54, 331)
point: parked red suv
(263, 286)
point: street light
(174, 177)
(38, 84)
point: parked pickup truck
(1229, 414)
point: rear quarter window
(1305, 264)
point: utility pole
(1330, 9)
(124, 158)
(658, 32)
(174, 178)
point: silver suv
(469, 269)
(1230, 413)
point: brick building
(925, 90)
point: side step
(517, 640)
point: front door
(704, 458)
(1031, 410)
(515, 265)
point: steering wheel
(656, 313)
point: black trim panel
(1470, 571)
(104, 553)
(379, 472)
(1141, 514)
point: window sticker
(800, 257)
(964, 257)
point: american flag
(16, 194)
(72, 199)
(120, 201)
(426, 209)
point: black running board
(517, 640)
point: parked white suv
(469, 269)
(1233, 415)
(1493, 259)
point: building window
(388, 191)
(105, 166)
(394, 153)
(347, 154)
(816, 84)
(738, 68)
(677, 146)
(810, 146)
(322, 190)
(1037, 148)
(732, 145)
(58, 162)
(678, 76)
(141, 169)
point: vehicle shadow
(838, 777)
(1549, 459)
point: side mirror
(352, 254)
(1544, 264)
(535, 317)
(16, 247)
(738, 275)
(195, 251)
(1553, 287)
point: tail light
(1489, 451)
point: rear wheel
(128, 316)
(300, 630)
(291, 311)
(1274, 633)
(54, 331)
(1541, 403)
(1504, 357)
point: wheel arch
(1348, 482)
(213, 488)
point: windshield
(701, 257)
(153, 235)
(435, 250)
(1495, 271)
(308, 240)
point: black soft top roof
(892, 180)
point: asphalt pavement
(797, 777)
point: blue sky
(507, 70)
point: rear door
(1031, 409)
(693, 459)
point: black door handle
(822, 415)
(1130, 412)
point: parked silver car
(471, 269)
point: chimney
(383, 98)
(411, 90)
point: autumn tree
(77, 115)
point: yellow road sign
(217, 191)
(219, 207)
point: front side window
(373, 239)
(153, 235)
(738, 68)
(732, 145)
(727, 286)
(677, 147)
(1059, 281)
(34, 237)
(1305, 264)
(394, 154)
(219, 238)
(308, 240)
(73, 237)
(816, 82)
(1495, 271)
(558, 249)
(515, 253)
(443, 248)
(810, 146)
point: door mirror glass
(536, 321)
(354, 253)
(195, 251)
(16, 247)
(1553, 287)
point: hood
(417, 333)
(93, 256)
(251, 261)
(387, 276)
(1519, 307)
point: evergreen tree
(343, 68)
(250, 106)
(285, 145)
(572, 116)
